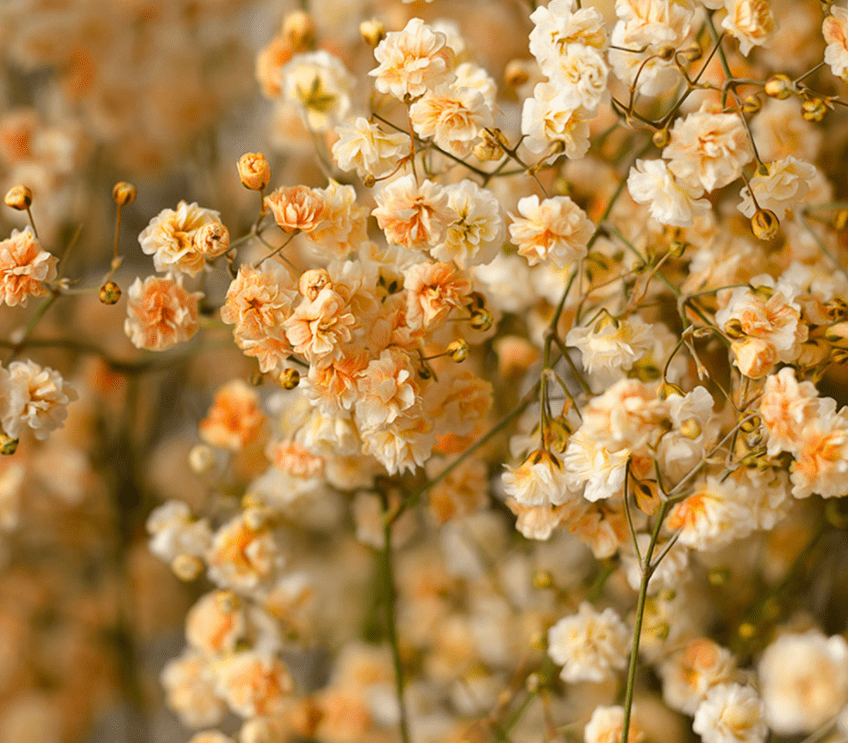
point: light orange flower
(432, 291)
(317, 329)
(160, 313)
(235, 418)
(297, 208)
(24, 267)
(413, 215)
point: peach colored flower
(364, 147)
(24, 267)
(169, 238)
(785, 407)
(413, 215)
(432, 291)
(294, 458)
(190, 689)
(235, 418)
(39, 398)
(211, 240)
(344, 226)
(413, 61)
(690, 673)
(555, 229)
(160, 313)
(318, 329)
(270, 60)
(255, 684)
(215, 623)
(241, 557)
(452, 116)
(821, 463)
(385, 388)
(258, 303)
(463, 491)
(332, 386)
(297, 208)
(835, 30)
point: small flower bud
(458, 350)
(677, 248)
(763, 292)
(538, 641)
(837, 333)
(110, 293)
(747, 630)
(369, 180)
(751, 104)
(719, 576)
(646, 493)
(123, 193)
(187, 567)
(289, 379)
(733, 329)
(257, 378)
(765, 224)
(487, 151)
(211, 240)
(254, 171)
(373, 31)
(660, 631)
(201, 459)
(813, 109)
(311, 282)
(690, 428)
(693, 52)
(481, 319)
(516, 73)
(751, 425)
(661, 137)
(779, 86)
(543, 579)
(8, 445)
(18, 197)
(299, 30)
(668, 389)
(666, 53)
(839, 221)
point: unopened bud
(763, 292)
(201, 459)
(373, 31)
(660, 631)
(752, 424)
(666, 53)
(289, 379)
(751, 104)
(677, 248)
(18, 197)
(693, 52)
(110, 293)
(123, 193)
(481, 319)
(813, 109)
(312, 281)
(8, 445)
(516, 73)
(299, 30)
(254, 171)
(187, 567)
(733, 329)
(257, 378)
(719, 576)
(543, 579)
(368, 180)
(458, 350)
(765, 224)
(839, 221)
(779, 86)
(668, 389)
(211, 240)
(747, 630)
(661, 137)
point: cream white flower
(835, 30)
(412, 214)
(169, 238)
(589, 645)
(803, 681)
(708, 150)
(319, 86)
(413, 61)
(364, 147)
(671, 202)
(689, 674)
(785, 408)
(580, 69)
(401, 446)
(174, 532)
(781, 189)
(590, 464)
(255, 684)
(555, 229)
(731, 713)
(750, 21)
(561, 23)
(189, 684)
(385, 388)
(37, 398)
(477, 232)
(821, 459)
(538, 481)
(611, 345)
(453, 116)
(554, 119)
(606, 723)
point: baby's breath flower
(835, 30)
(319, 86)
(555, 229)
(476, 234)
(235, 419)
(750, 21)
(25, 267)
(671, 202)
(555, 119)
(366, 148)
(412, 214)
(297, 208)
(453, 116)
(169, 238)
(160, 313)
(731, 713)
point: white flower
(580, 69)
(35, 397)
(588, 462)
(539, 481)
(781, 189)
(368, 149)
(319, 86)
(477, 232)
(671, 202)
(606, 723)
(562, 23)
(555, 229)
(821, 460)
(689, 674)
(554, 118)
(835, 30)
(708, 150)
(804, 681)
(452, 116)
(169, 238)
(610, 345)
(413, 214)
(750, 21)
(731, 713)
(413, 61)
(589, 645)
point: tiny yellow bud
(733, 329)
(543, 579)
(257, 378)
(538, 641)
(661, 630)
(661, 138)
(110, 293)
(719, 576)
(690, 428)
(123, 193)
(254, 171)
(299, 30)
(751, 104)
(373, 31)
(516, 73)
(750, 425)
(18, 197)
(481, 319)
(289, 379)
(666, 53)
(747, 630)
(839, 221)
(779, 86)
(677, 248)
(813, 109)
(693, 52)
(8, 445)
(368, 180)
(458, 350)
(668, 389)
(765, 224)
(187, 567)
